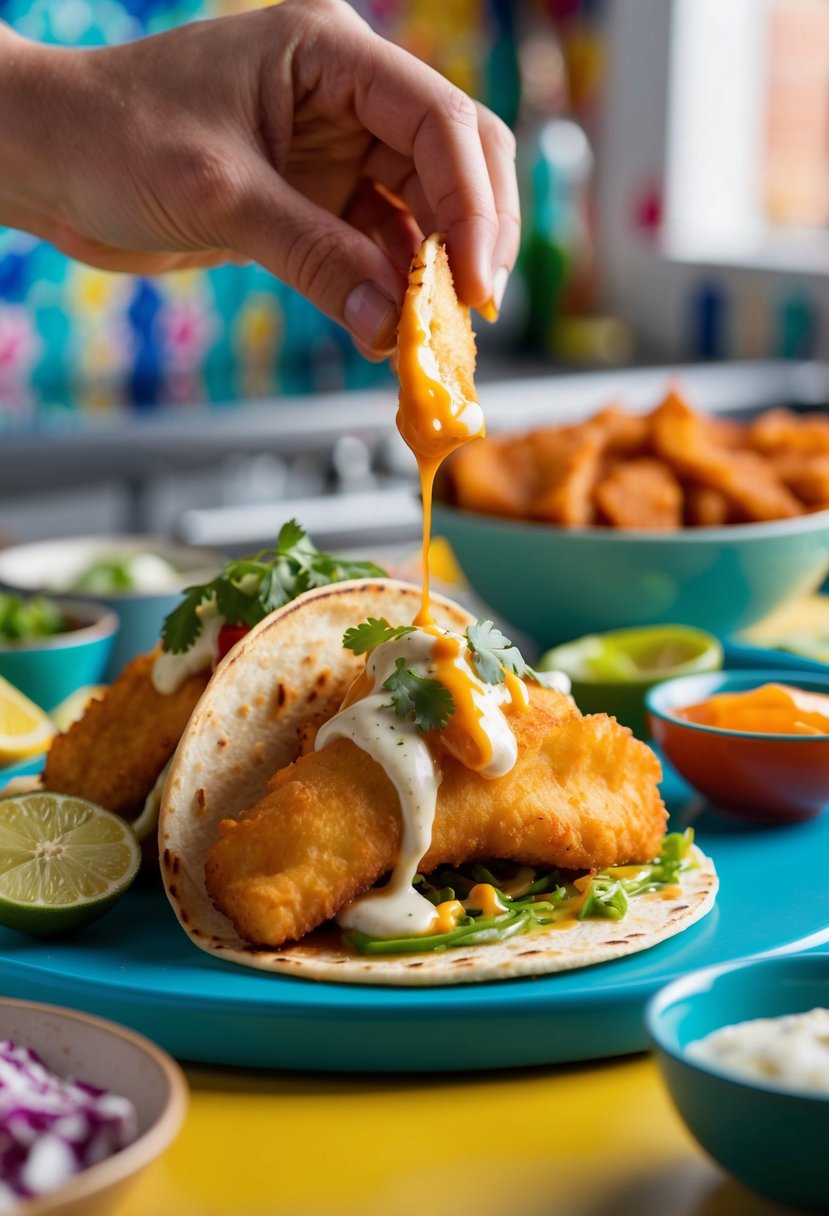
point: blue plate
(741, 654)
(137, 967)
(24, 768)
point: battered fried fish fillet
(115, 753)
(583, 793)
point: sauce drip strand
(438, 411)
(438, 405)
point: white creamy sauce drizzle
(152, 804)
(400, 749)
(171, 670)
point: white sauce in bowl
(788, 1052)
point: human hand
(293, 136)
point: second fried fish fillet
(115, 753)
(583, 793)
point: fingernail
(499, 286)
(371, 316)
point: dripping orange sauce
(772, 709)
(434, 420)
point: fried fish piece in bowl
(623, 520)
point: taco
(275, 824)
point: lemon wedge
(25, 729)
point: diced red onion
(52, 1127)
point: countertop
(600, 1139)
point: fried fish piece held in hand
(115, 753)
(583, 793)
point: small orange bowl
(767, 778)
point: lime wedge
(631, 656)
(610, 672)
(63, 861)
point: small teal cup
(50, 669)
(775, 1141)
(555, 583)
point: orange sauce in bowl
(771, 709)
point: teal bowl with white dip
(139, 578)
(758, 1100)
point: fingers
(384, 218)
(463, 159)
(451, 161)
(334, 264)
(499, 150)
(135, 261)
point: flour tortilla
(292, 670)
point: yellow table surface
(588, 1140)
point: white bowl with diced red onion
(85, 1105)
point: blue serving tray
(137, 967)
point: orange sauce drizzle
(430, 419)
(771, 709)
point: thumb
(337, 267)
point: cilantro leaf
(429, 701)
(183, 625)
(248, 588)
(493, 654)
(372, 633)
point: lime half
(611, 672)
(63, 861)
(633, 656)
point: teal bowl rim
(700, 982)
(198, 573)
(710, 682)
(811, 521)
(103, 623)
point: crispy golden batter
(750, 484)
(672, 468)
(641, 493)
(114, 754)
(583, 793)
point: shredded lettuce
(532, 898)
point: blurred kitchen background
(674, 160)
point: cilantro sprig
(493, 654)
(248, 588)
(372, 633)
(427, 700)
